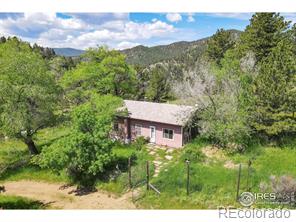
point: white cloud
(190, 17)
(83, 30)
(240, 16)
(126, 45)
(173, 17)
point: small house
(161, 123)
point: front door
(152, 134)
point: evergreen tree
(158, 88)
(218, 44)
(275, 95)
(263, 33)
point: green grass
(13, 151)
(213, 185)
(15, 202)
(31, 172)
(138, 171)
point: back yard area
(213, 176)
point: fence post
(238, 181)
(249, 169)
(147, 174)
(188, 175)
(129, 173)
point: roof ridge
(167, 104)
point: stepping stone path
(159, 161)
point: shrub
(192, 153)
(284, 187)
(140, 142)
(86, 153)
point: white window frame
(139, 126)
(163, 129)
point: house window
(168, 133)
(138, 129)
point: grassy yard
(119, 184)
(213, 182)
(213, 177)
(14, 153)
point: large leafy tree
(263, 34)
(224, 116)
(218, 44)
(275, 95)
(102, 71)
(86, 152)
(28, 93)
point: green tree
(86, 152)
(218, 44)
(263, 34)
(60, 64)
(2, 39)
(275, 92)
(28, 92)
(103, 72)
(158, 89)
(224, 119)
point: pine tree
(218, 45)
(158, 88)
(275, 95)
(263, 33)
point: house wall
(145, 131)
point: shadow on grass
(15, 202)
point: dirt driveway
(53, 196)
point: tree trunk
(31, 145)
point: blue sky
(118, 30)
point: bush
(284, 187)
(86, 153)
(140, 142)
(192, 153)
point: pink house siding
(159, 139)
(149, 119)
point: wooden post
(147, 174)
(188, 175)
(129, 173)
(238, 181)
(248, 177)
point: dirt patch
(53, 196)
(213, 152)
(230, 165)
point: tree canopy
(28, 92)
(101, 71)
(86, 152)
(218, 44)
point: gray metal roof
(159, 112)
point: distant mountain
(68, 52)
(142, 55)
(184, 64)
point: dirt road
(53, 196)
